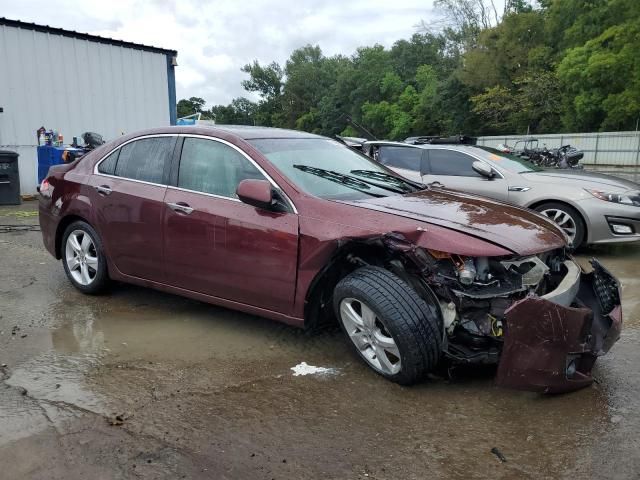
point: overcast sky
(215, 38)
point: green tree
(240, 111)
(191, 106)
(602, 80)
(268, 82)
(533, 105)
(506, 52)
(563, 65)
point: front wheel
(83, 258)
(567, 218)
(390, 326)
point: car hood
(522, 231)
(580, 178)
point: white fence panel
(602, 150)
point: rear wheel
(83, 258)
(390, 326)
(567, 218)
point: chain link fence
(616, 153)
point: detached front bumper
(551, 347)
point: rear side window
(400, 157)
(108, 165)
(450, 162)
(212, 167)
(145, 159)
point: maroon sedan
(301, 229)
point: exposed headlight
(626, 199)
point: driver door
(453, 170)
(217, 245)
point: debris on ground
(305, 369)
(117, 419)
(498, 454)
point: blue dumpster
(48, 156)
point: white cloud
(214, 39)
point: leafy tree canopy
(547, 66)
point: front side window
(450, 162)
(212, 167)
(145, 159)
(507, 160)
(407, 158)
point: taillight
(45, 188)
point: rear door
(406, 161)
(128, 192)
(219, 246)
(453, 169)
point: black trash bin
(9, 178)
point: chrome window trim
(233, 199)
(132, 180)
(205, 137)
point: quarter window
(108, 165)
(145, 159)
(450, 162)
(212, 167)
(400, 157)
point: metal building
(75, 82)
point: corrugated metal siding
(604, 149)
(74, 86)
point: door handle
(104, 190)
(180, 207)
(436, 184)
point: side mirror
(483, 169)
(254, 192)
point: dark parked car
(301, 229)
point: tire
(567, 215)
(401, 317)
(76, 260)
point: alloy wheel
(370, 336)
(563, 220)
(81, 257)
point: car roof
(249, 132)
(246, 132)
(427, 146)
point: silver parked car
(590, 207)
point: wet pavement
(142, 384)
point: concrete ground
(141, 384)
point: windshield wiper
(406, 185)
(340, 178)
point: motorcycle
(564, 156)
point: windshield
(327, 169)
(507, 160)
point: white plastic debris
(305, 369)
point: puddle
(59, 379)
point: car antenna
(359, 127)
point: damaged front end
(540, 318)
(550, 347)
